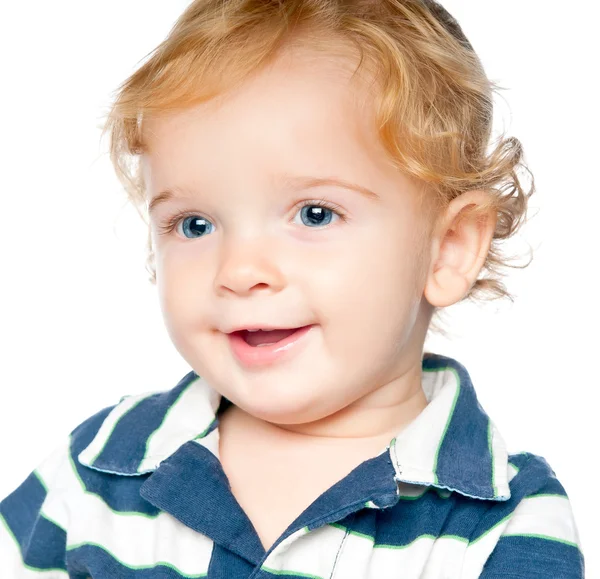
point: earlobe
(462, 245)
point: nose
(248, 265)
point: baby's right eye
(197, 226)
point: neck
(372, 420)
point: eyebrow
(293, 182)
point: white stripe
(189, 416)
(61, 484)
(415, 462)
(11, 561)
(276, 558)
(133, 538)
(89, 454)
(411, 491)
(312, 554)
(500, 458)
(513, 471)
(330, 552)
(407, 562)
(424, 558)
(549, 515)
(543, 515)
(211, 442)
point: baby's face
(248, 253)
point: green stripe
(203, 433)
(424, 536)
(351, 532)
(473, 541)
(295, 573)
(515, 467)
(384, 546)
(511, 514)
(546, 537)
(51, 520)
(136, 567)
(41, 480)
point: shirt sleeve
(537, 539)
(33, 522)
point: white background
(80, 323)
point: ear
(459, 249)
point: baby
(333, 155)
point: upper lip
(267, 327)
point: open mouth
(261, 338)
(263, 348)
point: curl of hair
(434, 103)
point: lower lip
(254, 356)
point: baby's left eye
(316, 213)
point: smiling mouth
(261, 338)
(262, 349)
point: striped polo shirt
(138, 491)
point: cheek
(368, 295)
(180, 292)
(375, 267)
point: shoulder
(36, 517)
(533, 533)
(134, 436)
(59, 472)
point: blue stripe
(533, 558)
(120, 493)
(20, 509)
(456, 515)
(46, 549)
(464, 460)
(534, 477)
(227, 565)
(519, 460)
(126, 446)
(552, 487)
(41, 542)
(371, 480)
(215, 512)
(428, 515)
(192, 486)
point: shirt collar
(451, 444)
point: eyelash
(173, 221)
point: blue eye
(318, 213)
(312, 213)
(197, 226)
(192, 222)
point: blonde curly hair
(434, 104)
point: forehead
(298, 84)
(304, 111)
